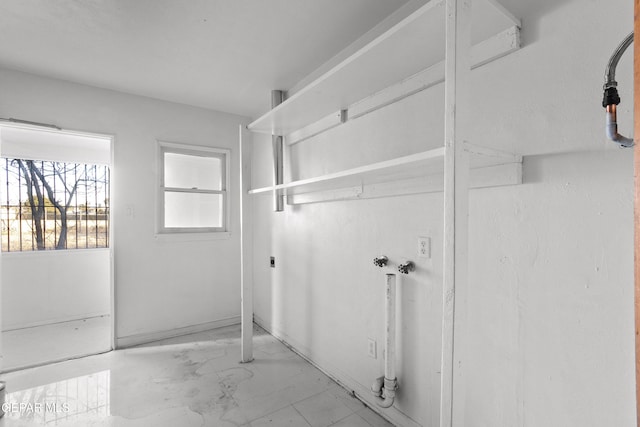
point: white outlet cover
(424, 247)
(371, 348)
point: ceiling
(225, 55)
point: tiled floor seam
(316, 395)
(299, 413)
(252, 419)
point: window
(54, 205)
(193, 189)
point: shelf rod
(372, 168)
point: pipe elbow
(622, 141)
(384, 395)
(612, 129)
(385, 403)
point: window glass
(194, 172)
(53, 205)
(192, 210)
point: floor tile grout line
(276, 410)
(356, 414)
(351, 412)
(311, 397)
(300, 413)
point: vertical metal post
(246, 248)
(46, 216)
(456, 170)
(86, 209)
(66, 242)
(95, 200)
(107, 211)
(277, 96)
(75, 179)
(20, 208)
(55, 211)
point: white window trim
(187, 234)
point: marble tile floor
(55, 342)
(193, 380)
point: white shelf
(401, 56)
(422, 164)
(413, 44)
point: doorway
(56, 244)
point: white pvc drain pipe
(384, 388)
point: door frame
(112, 222)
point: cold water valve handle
(380, 261)
(406, 267)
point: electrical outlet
(272, 262)
(424, 247)
(371, 348)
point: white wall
(550, 310)
(160, 285)
(551, 313)
(54, 286)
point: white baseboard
(362, 392)
(13, 326)
(132, 340)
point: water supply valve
(611, 99)
(406, 267)
(380, 261)
(610, 96)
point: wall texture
(54, 286)
(550, 308)
(160, 284)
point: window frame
(193, 150)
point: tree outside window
(54, 205)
